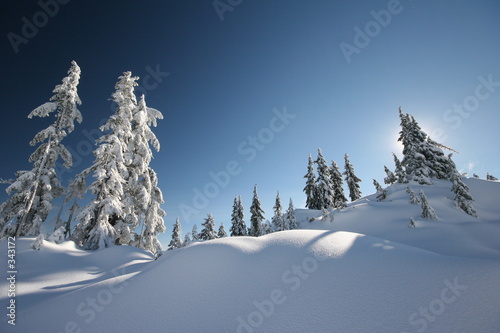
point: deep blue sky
(225, 77)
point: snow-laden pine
(32, 192)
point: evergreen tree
(256, 215)
(267, 228)
(412, 223)
(176, 242)
(290, 217)
(490, 177)
(324, 183)
(339, 199)
(238, 227)
(76, 190)
(423, 157)
(311, 190)
(475, 176)
(413, 197)
(427, 211)
(390, 177)
(208, 231)
(187, 239)
(153, 223)
(381, 192)
(399, 172)
(142, 194)
(351, 180)
(194, 234)
(32, 192)
(278, 218)
(463, 198)
(102, 221)
(222, 232)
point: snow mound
(364, 272)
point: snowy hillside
(365, 271)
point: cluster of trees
(424, 160)
(280, 222)
(126, 205)
(325, 191)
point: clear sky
(252, 87)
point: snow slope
(364, 272)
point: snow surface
(364, 272)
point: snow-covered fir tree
(423, 157)
(208, 232)
(238, 227)
(176, 242)
(153, 223)
(278, 218)
(103, 221)
(463, 198)
(290, 216)
(194, 234)
(32, 192)
(267, 228)
(222, 232)
(339, 198)
(427, 211)
(324, 183)
(256, 215)
(187, 239)
(75, 191)
(490, 177)
(142, 191)
(352, 180)
(390, 177)
(310, 189)
(413, 197)
(475, 176)
(381, 192)
(399, 172)
(411, 224)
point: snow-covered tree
(75, 191)
(427, 211)
(208, 232)
(32, 192)
(256, 215)
(324, 183)
(490, 177)
(103, 221)
(399, 172)
(413, 197)
(381, 192)
(352, 180)
(57, 236)
(278, 218)
(310, 189)
(475, 176)
(222, 232)
(290, 216)
(187, 239)
(390, 177)
(463, 198)
(142, 191)
(267, 228)
(423, 157)
(339, 199)
(176, 242)
(238, 227)
(194, 234)
(412, 223)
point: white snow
(364, 272)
